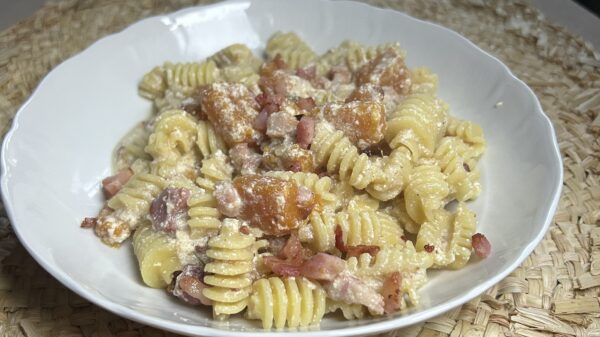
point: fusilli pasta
(417, 124)
(425, 193)
(364, 227)
(287, 301)
(335, 151)
(295, 52)
(230, 270)
(157, 256)
(449, 235)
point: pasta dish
(288, 188)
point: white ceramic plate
(60, 145)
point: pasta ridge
(157, 256)
(287, 301)
(229, 279)
(450, 236)
(426, 192)
(417, 124)
(295, 52)
(393, 177)
(171, 144)
(208, 141)
(454, 156)
(335, 151)
(359, 227)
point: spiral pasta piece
(352, 55)
(423, 81)
(335, 151)
(287, 301)
(457, 161)
(349, 53)
(397, 257)
(208, 141)
(132, 202)
(417, 124)
(320, 186)
(398, 210)
(448, 235)
(174, 134)
(235, 54)
(293, 50)
(425, 193)
(214, 169)
(229, 278)
(363, 202)
(403, 258)
(171, 143)
(153, 84)
(204, 217)
(468, 131)
(157, 256)
(393, 177)
(359, 227)
(128, 208)
(189, 76)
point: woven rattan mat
(554, 292)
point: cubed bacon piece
(187, 285)
(232, 108)
(264, 99)
(229, 202)
(271, 204)
(281, 267)
(481, 245)
(89, 223)
(323, 267)
(306, 103)
(386, 70)
(361, 249)
(113, 184)
(293, 250)
(307, 73)
(366, 92)
(281, 124)
(362, 122)
(276, 84)
(339, 239)
(350, 289)
(289, 257)
(168, 211)
(305, 132)
(245, 159)
(260, 122)
(392, 292)
(245, 230)
(339, 74)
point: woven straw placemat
(554, 292)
